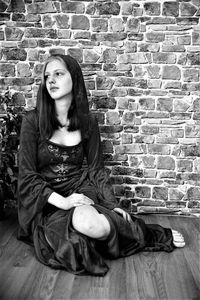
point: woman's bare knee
(88, 221)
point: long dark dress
(46, 167)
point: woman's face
(58, 80)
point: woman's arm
(98, 175)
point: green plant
(10, 123)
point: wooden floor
(147, 276)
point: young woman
(67, 208)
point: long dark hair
(78, 111)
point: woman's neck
(62, 108)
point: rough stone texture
(141, 64)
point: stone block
(107, 8)
(164, 58)
(23, 70)
(171, 72)
(193, 193)
(73, 7)
(80, 22)
(109, 56)
(104, 83)
(196, 38)
(99, 25)
(164, 104)
(40, 33)
(160, 193)
(104, 102)
(14, 54)
(191, 75)
(152, 8)
(187, 9)
(41, 8)
(158, 149)
(170, 8)
(13, 34)
(7, 70)
(166, 162)
(155, 37)
(76, 53)
(143, 191)
(16, 6)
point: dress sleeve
(33, 190)
(98, 175)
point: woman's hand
(77, 199)
(124, 214)
(66, 203)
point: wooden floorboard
(145, 276)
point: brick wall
(141, 66)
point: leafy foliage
(10, 123)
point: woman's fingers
(80, 199)
(124, 214)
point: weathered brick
(104, 83)
(7, 70)
(193, 150)
(132, 25)
(184, 165)
(116, 25)
(171, 8)
(107, 8)
(187, 9)
(41, 8)
(112, 37)
(16, 6)
(155, 37)
(80, 22)
(192, 131)
(40, 33)
(149, 129)
(107, 146)
(152, 8)
(158, 149)
(164, 104)
(173, 48)
(194, 58)
(126, 81)
(99, 25)
(13, 34)
(135, 36)
(166, 162)
(171, 72)
(111, 129)
(28, 43)
(104, 102)
(113, 118)
(193, 193)
(160, 193)
(143, 191)
(14, 54)
(187, 21)
(167, 174)
(147, 103)
(164, 58)
(16, 81)
(109, 56)
(73, 7)
(191, 75)
(184, 40)
(76, 53)
(23, 70)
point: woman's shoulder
(31, 117)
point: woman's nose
(51, 79)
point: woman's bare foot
(178, 239)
